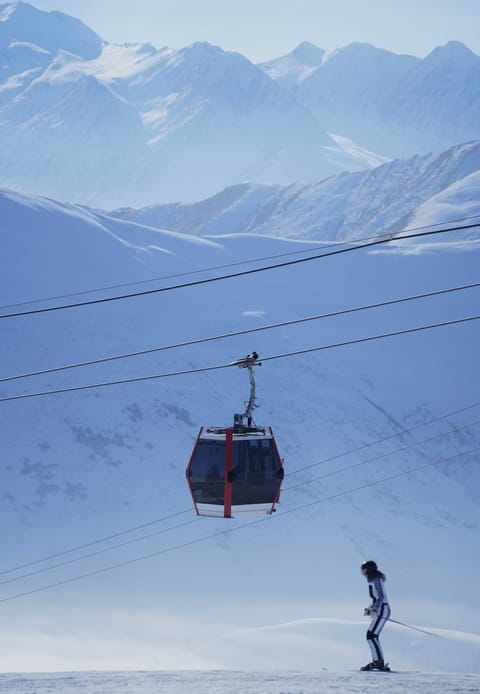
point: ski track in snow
(235, 682)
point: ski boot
(376, 665)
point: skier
(379, 611)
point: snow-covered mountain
(68, 134)
(27, 34)
(386, 433)
(296, 66)
(395, 105)
(186, 122)
(403, 193)
(190, 122)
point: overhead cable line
(217, 367)
(247, 331)
(371, 338)
(320, 244)
(93, 542)
(221, 533)
(383, 479)
(97, 552)
(382, 440)
(243, 273)
(414, 444)
(293, 472)
(187, 273)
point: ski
(371, 668)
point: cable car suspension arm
(248, 362)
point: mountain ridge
(49, 30)
(208, 118)
(349, 206)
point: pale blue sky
(263, 29)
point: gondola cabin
(235, 471)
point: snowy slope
(440, 91)
(80, 466)
(239, 682)
(401, 194)
(70, 133)
(348, 92)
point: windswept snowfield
(239, 682)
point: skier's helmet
(369, 566)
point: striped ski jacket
(376, 588)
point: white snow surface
(240, 682)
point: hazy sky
(263, 29)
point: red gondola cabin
(238, 470)
(234, 472)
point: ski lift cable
(237, 333)
(414, 444)
(94, 542)
(371, 338)
(97, 552)
(189, 273)
(383, 479)
(360, 246)
(217, 367)
(382, 440)
(321, 462)
(227, 531)
(318, 246)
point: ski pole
(409, 626)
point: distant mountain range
(394, 104)
(110, 125)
